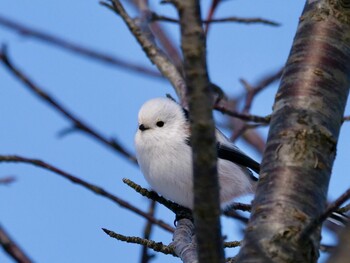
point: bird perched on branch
(165, 156)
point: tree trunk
(206, 212)
(302, 140)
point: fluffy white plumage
(165, 157)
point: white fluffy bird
(165, 156)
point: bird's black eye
(160, 123)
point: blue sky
(56, 221)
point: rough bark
(206, 206)
(301, 146)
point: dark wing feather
(236, 156)
(338, 218)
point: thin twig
(146, 256)
(26, 31)
(314, 224)
(7, 180)
(213, 7)
(160, 34)
(232, 244)
(252, 137)
(344, 209)
(177, 209)
(231, 260)
(346, 118)
(326, 248)
(255, 20)
(243, 116)
(239, 132)
(235, 215)
(231, 211)
(77, 123)
(239, 206)
(156, 246)
(11, 248)
(95, 189)
(252, 91)
(156, 55)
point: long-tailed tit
(165, 155)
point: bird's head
(161, 119)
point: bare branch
(253, 20)
(213, 7)
(156, 246)
(184, 242)
(346, 118)
(157, 17)
(243, 116)
(231, 211)
(344, 209)
(160, 34)
(11, 248)
(177, 209)
(7, 180)
(231, 260)
(77, 123)
(95, 189)
(253, 91)
(252, 137)
(76, 48)
(333, 207)
(145, 256)
(232, 244)
(326, 248)
(165, 66)
(239, 206)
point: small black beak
(143, 127)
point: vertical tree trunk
(302, 140)
(206, 206)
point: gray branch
(155, 54)
(184, 242)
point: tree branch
(156, 55)
(160, 34)
(344, 209)
(156, 246)
(77, 123)
(184, 242)
(242, 116)
(76, 48)
(175, 208)
(145, 255)
(333, 207)
(7, 180)
(253, 91)
(11, 248)
(255, 20)
(95, 189)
